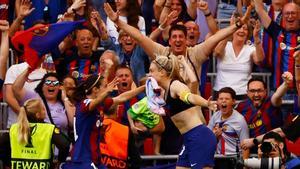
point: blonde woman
(31, 139)
(199, 142)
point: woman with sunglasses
(48, 90)
(199, 143)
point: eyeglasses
(256, 90)
(49, 82)
(292, 13)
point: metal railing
(3, 115)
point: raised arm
(259, 54)
(263, 15)
(210, 43)
(99, 25)
(165, 11)
(212, 25)
(183, 92)
(102, 94)
(18, 86)
(23, 9)
(168, 20)
(158, 7)
(146, 43)
(4, 48)
(192, 9)
(276, 99)
(128, 95)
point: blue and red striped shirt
(284, 44)
(262, 119)
(87, 125)
(77, 66)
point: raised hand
(247, 14)
(169, 19)
(287, 77)
(113, 16)
(111, 86)
(77, 4)
(96, 20)
(25, 8)
(257, 28)
(203, 6)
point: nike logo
(192, 165)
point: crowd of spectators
(88, 83)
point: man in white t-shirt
(228, 125)
(12, 73)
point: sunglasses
(49, 82)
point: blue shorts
(199, 146)
(81, 165)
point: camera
(263, 163)
(267, 148)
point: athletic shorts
(199, 146)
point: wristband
(161, 28)
(167, 6)
(255, 141)
(207, 15)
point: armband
(184, 96)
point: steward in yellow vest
(37, 152)
(31, 140)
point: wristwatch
(255, 141)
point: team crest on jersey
(87, 101)
(41, 31)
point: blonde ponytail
(170, 64)
(28, 111)
(23, 126)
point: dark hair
(227, 90)
(133, 11)
(39, 87)
(277, 138)
(85, 88)
(124, 66)
(39, 90)
(184, 15)
(71, 77)
(253, 79)
(273, 135)
(178, 27)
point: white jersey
(235, 130)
